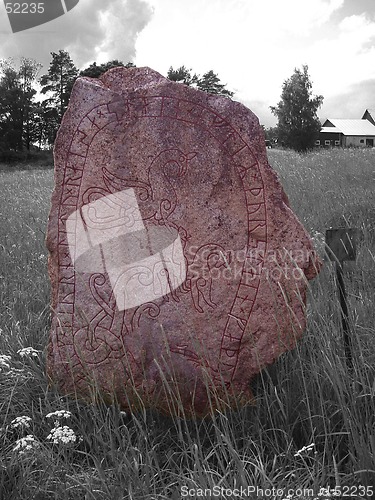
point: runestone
(178, 270)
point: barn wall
(358, 141)
(332, 137)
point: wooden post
(344, 314)
(341, 246)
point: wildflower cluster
(20, 422)
(26, 444)
(62, 435)
(59, 414)
(5, 362)
(28, 352)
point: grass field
(313, 424)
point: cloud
(93, 29)
(342, 60)
(352, 103)
(291, 17)
(122, 23)
(250, 44)
(253, 46)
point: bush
(20, 160)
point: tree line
(30, 123)
(298, 124)
(32, 106)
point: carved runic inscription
(108, 235)
(158, 236)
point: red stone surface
(178, 270)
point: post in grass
(341, 246)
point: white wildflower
(62, 435)
(304, 449)
(5, 362)
(327, 492)
(59, 414)
(28, 352)
(25, 444)
(22, 421)
(318, 240)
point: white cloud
(250, 44)
(292, 17)
(357, 31)
(82, 32)
(122, 23)
(345, 59)
(253, 46)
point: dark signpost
(341, 246)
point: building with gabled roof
(347, 133)
(369, 115)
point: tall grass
(309, 397)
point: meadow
(310, 430)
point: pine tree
(58, 82)
(95, 70)
(209, 82)
(182, 75)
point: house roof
(331, 130)
(369, 114)
(349, 127)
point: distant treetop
(95, 70)
(209, 82)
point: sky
(253, 45)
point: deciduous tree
(17, 106)
(28, 74)
(298, 123)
